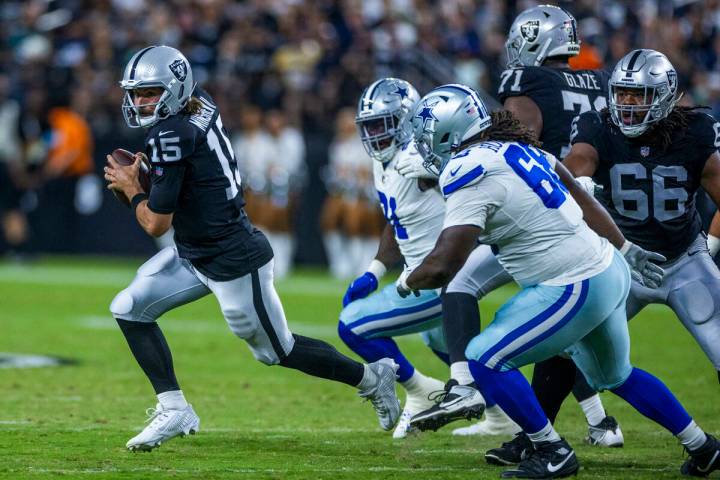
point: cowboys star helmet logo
(529, 30)
(179, 69)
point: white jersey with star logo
(416, 215)
(512, 192)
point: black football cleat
(547, 460)
(510, 453)
(455, 403)
(704, 460)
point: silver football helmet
(381, 114)
(443, 119)
(653, 77)
(157, 66)
(539, 33)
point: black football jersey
(650, 192)
(195, 177)
(561, 95)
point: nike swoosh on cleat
(554, 468)
(710, 463)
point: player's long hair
(506, 128)
(661, 133)
(193, 106)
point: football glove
(402, 287)
(411, 166)
(359, 288)
(641, 263)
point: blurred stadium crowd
(286, 75)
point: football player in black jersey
(196, 189)
(649, 157)
(538, 82)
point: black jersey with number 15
(561, 95)
(195, 177)
(650, 192)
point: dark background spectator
(308, 59)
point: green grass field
(257, 421)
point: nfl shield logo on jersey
(645, 151)
(529, 30)
(179, 69)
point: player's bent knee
(264, 356)
(609, 381)
(125, 307)
(476, 348)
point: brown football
(124, 158)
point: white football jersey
(416, 215)
(512, 192)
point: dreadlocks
(661, 133)
(505, 127)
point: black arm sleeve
(166, 184)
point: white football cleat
(415, 404)
(496, 422)
(382, 395)
(454, 403)
(605, 434)
(164, 425)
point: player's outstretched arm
(388, 254)
(451, 250)
(594, 214)
(582, 161)
(710, 181)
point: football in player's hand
(125, 158)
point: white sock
(692, 436)
(460, 371)
(593, 409)
(369, 378)
(547, 434)
(496, 415)
(418, 384)
(172, 400)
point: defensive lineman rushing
(196, 189)
(543, 93)
(414, 210)
(502, 190)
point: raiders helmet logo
(672, 80)
(179, 69)
(530, 29)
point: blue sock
(373, 349)
(513, 393)
(653, 399)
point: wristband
(377, 268)
(139, 197)
(625, 247)
(713, 244)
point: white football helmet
(381, 112)
(445, 118)
(157, 66)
